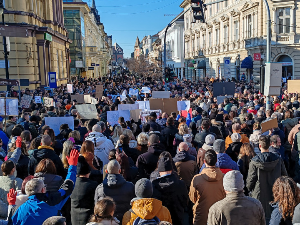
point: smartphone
(120, 149)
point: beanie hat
(219, 146)
(113, 167)
(233, 181)
(164, 164)
(210, 139)
(187, 138)
(235, 137)
(143, 188)
(55, 220)
(83, 167)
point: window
(225, 34)
(249, 20)
(217, 36)
(209, 39)
(284, 23)
(236, 30)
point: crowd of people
(212, 166)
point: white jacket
(102, 145)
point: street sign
(78, 64)
(227, 69)
(52, 80)
(5, 82)
(90, 68)
(11, 31)
(257, 56)
(97, 64)
(92, 64)
(47, 37)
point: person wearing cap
(236, 128)
(151, 122)
(264, 169)
(236, 208)
(208, 145)
(224, 162)
(171, 191)
(116, 187)
(144, 206)
(234, 148)
(199, 113)
(82, 197)
(206, 188)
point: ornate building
(38, 41)
(117, 56)
(233, 39)
(138, 50)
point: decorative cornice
(224, 18)
(235, 13)
(249, 5)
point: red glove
(19, 142)
(73, 159)
(11, 197)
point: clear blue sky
(127, 19)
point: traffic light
(167, 74)
(198, 10)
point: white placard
(70, 88)
(145, 90)
(38, 99)
(11, 107)
(55, 123)
(144, 105)
(127, 107)
(48, 102)
(147, 113)
(160, 94)
(113, 116)
(183, 105)
(87, 111)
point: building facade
(232, 42)
(38, 41)
(117, 55)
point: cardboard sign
(55, 123)
(48, 102)
(134, 114)
(160, 94)
(147, 113)
(37, 99)
(183, 105)
(145, 90)
(221, 89)
(167, 105)
(127, 107)
(25, 101)
(268, 125)
(70, 88)
(113, 116)
(293, 86)
(99, 91)
(87, 111)
(11, 107)
(79, 98)
(87, 99)
(144, 105)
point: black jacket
(173, 194)
(234, 150)
(200, 137)
(147, 162)
(167, 137)
(120, 190)
(82, 200)
(21, 166)
(53, 182)
(43, 153)
(152, 125)
(131, 152)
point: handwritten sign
(144, 105)
(55, 123)
(70, 88)
(113, 116)
(11, 107)
(48, 102)
(87, 99)
(37, 99)
(25, 101)
(87, 111)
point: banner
(78, 98)
(11, 107)
(113, 116)
(87, 111)
(70, 88)
(48, 102)
(183, 105)
(55, 123)
(160, 94)
(37, 99)
(25, 101)
(99, 91)
(127, 107)
(147, 113)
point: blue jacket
(195, 119)
(5, 140)
(41, 206)
(224, 162)
(276, 217)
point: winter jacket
(4, 139)
(146, 208)
(228, 140)
(264, 169)
(53, 182)
(254, 139)
(289, 123)
(201, 154)
(173, 194)
(200, 137)
(153, 126)
(206, 189)
(32, 128)
(21, 165)
(224, 162)
(195, 119)
(82, 200)
(277, 219)
(44, 152)
(14, 158)
(9, 126)
(41, 206)
(147, 162)
(102, 145)
(131, 152)
(234, 150)
(51, 114)
(167, 138)
(120, 190)
(231, 211)
(186, 167)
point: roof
(137, 42)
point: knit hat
(55, 220)
(219, 146)
(143, 188)
(164, 164)
(83, 167)
(235, 137)
(187, 138)
(210, 139)
(233, 181)
(113, 167)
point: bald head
(96, 128)
(183, 146)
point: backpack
(140, 221)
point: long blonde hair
(67, 147)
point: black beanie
(83, 168)
(164, 164)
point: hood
(207, 147)
(183, 157)
(156, 148)
(114, 180)
(97, 138)
(146, 208)
(266, 161)
(212, 174)
(225, 162)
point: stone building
(38, 41)
(232, 42)
(117, 55)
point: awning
(201, 65)
(247, 63)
